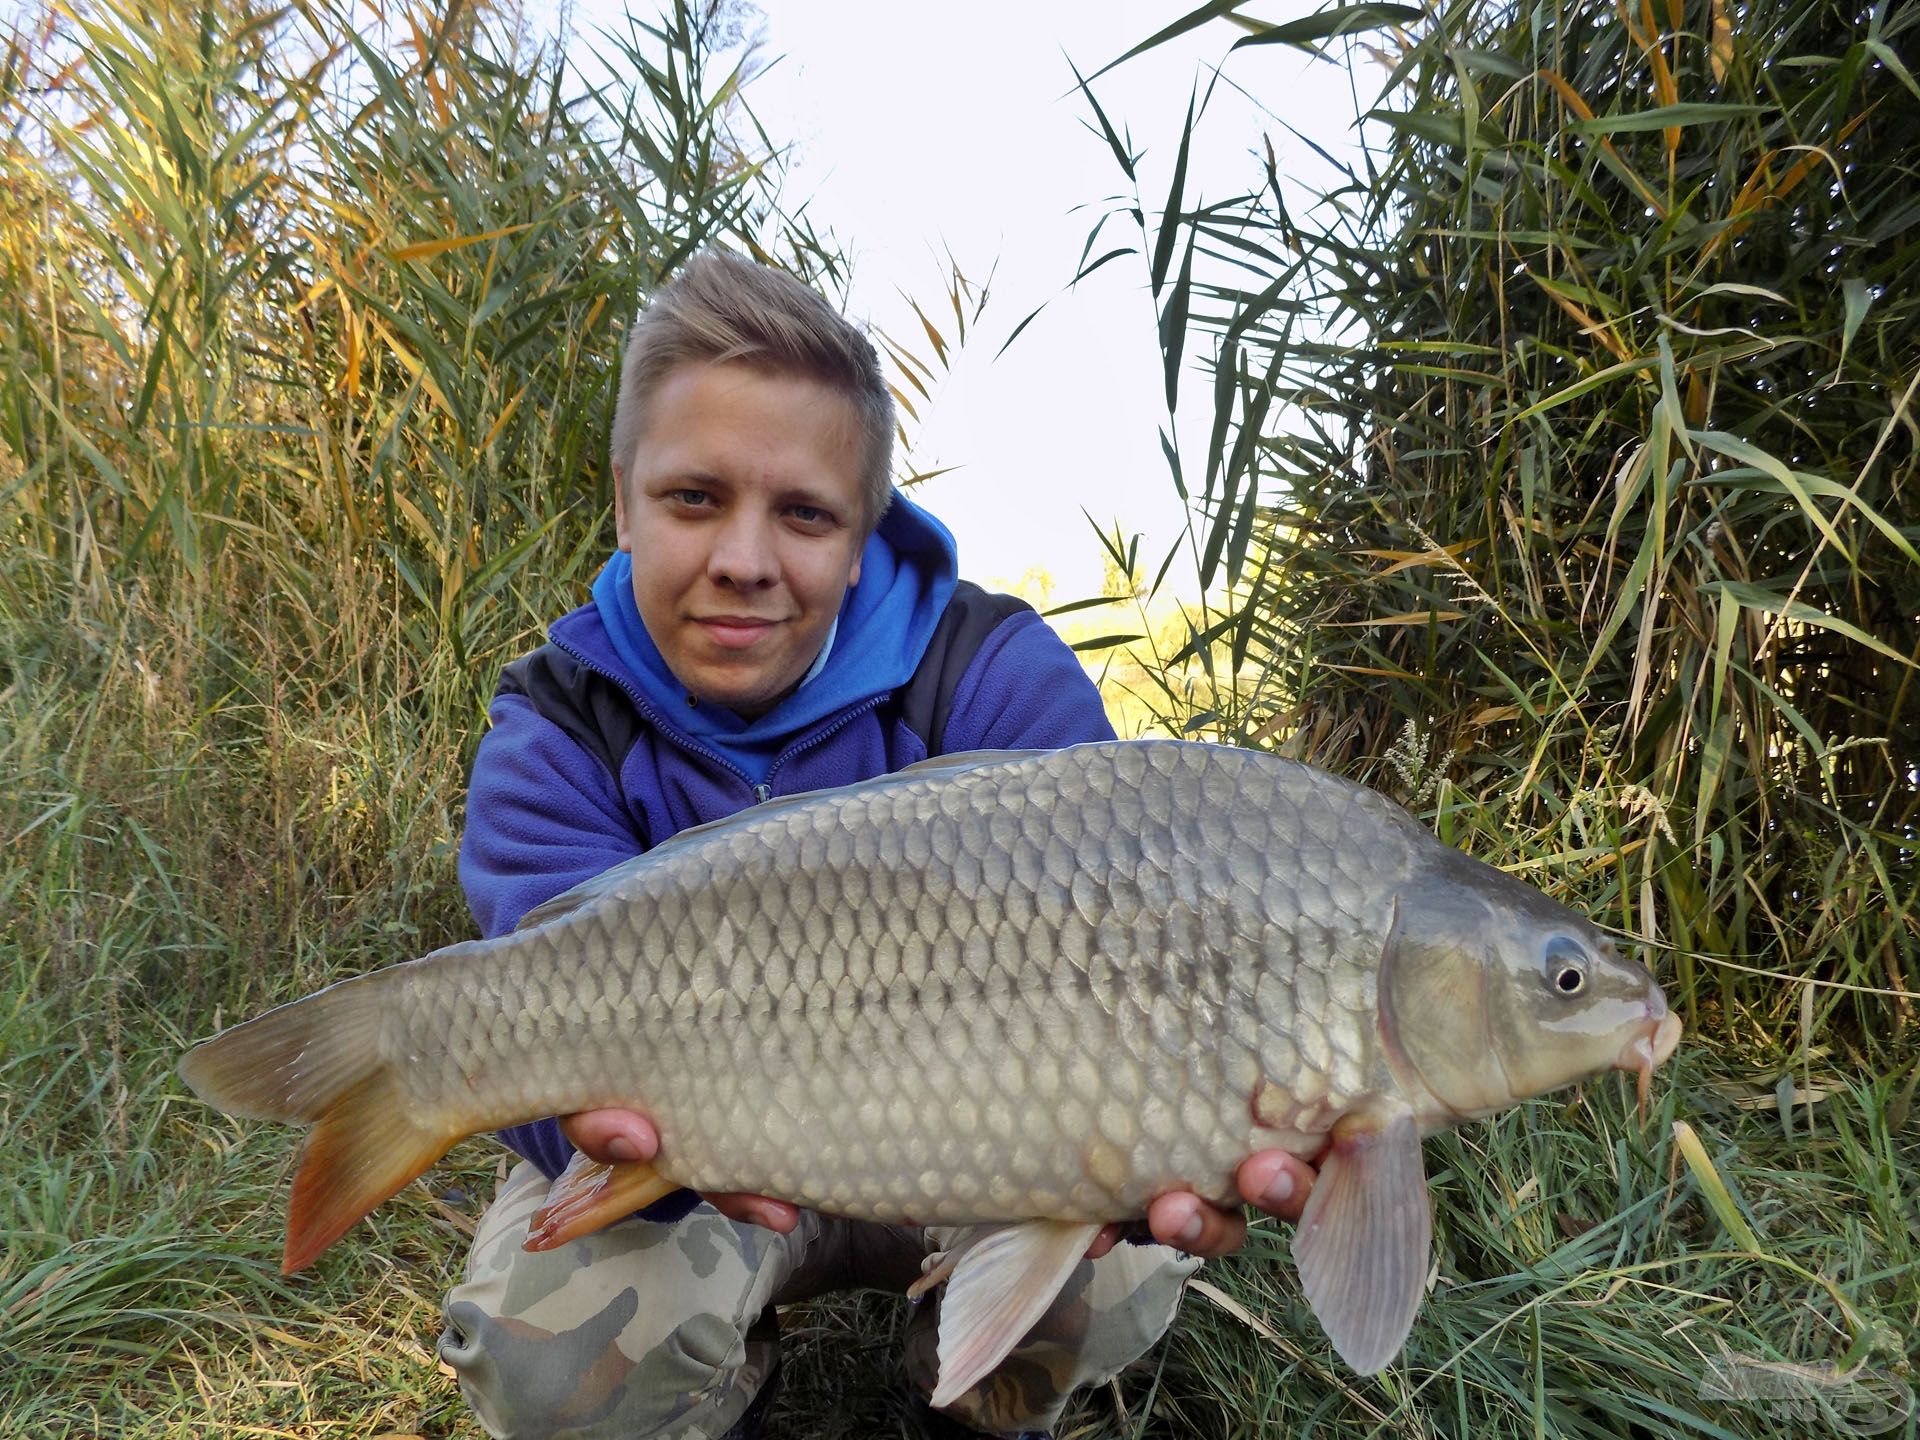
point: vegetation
(1586, 535)
(309, 331)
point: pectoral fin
(1002, 1278)
(1363, 1242)
(589, 1196)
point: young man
(775, 620)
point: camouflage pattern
(664, 1330)
(1107, 1315)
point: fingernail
(1279, 1190)
(1190, 1231)
(621, 1148)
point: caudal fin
(317, 1061)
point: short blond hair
(721, 307)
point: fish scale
(1039, 988)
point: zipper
(652, 717)
(821, 737)
(761, 792)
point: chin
(725, 680)
(749, 701)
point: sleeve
(1024, 690)
(542, 816)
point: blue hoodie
(595, 755)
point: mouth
(734, 632)
(1648, 1050)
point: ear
(621, 534)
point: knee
(638, 1330)
(585, 1382)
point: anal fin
(1002, 1279)
(1364, 1239)
(589, 1196)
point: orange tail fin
(318, 1061)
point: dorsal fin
(610, 879)
(956, 762)
(587, 891)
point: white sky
(922, 130)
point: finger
(757, 1210)
(1277, 1182)
(1186, 1222)
(1108, 1237)
(612, 1137)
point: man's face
(741, 507)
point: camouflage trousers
(649, 1329)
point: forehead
(739, 425)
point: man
(775, 620)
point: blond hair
(721, 307)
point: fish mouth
(1649, 1049)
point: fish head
(1491, 992)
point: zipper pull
(762, 793)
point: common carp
(1023, 991)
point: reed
(1559, 479)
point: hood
(908, 571)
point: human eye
(689, 497)
(811, 518)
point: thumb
(612, 1137)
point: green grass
(1582, 1275)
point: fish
(1020, 992)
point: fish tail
(317, 1061)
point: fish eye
(1566, 965)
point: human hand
(615, 1137)
(1271, 1180)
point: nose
(743, 554)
